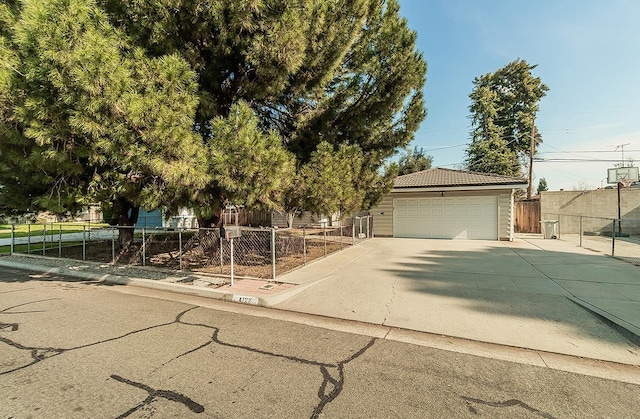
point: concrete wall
(597, 208)
(383, 213)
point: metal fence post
(613, 238)
(13, 236)
(368, 235)
(84, 242)
(340, 235)
(60, 240)
(581, 230)
(213, 238)
(559, 225)
(180, 248)
(304, 245)
(231, 243)
(221, 256)
(28, 239)
(44, 238)
(144, 247)
(113, 245)
(353, 231)
(273, 253)
(324, 235)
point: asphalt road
(76, 349)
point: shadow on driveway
(506, 293)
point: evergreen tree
(492, 156)
(503, 108)
(414, 160)
(246, 166)
(87, 118)
(132, 103)
(542, 186)
(334, 71)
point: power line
(573, 175)
(567, 160)
(446, 147)
(599, 111)
(584, 151)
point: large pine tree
(88, 117)
(503, 108)
(341, 73)
(331, 71)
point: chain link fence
(255, 252)
(618, 238)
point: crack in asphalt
(6, 310)
(37, 354)
(190, 351)
(506, 403)
(37, 357)
(16, 326)
(329, 389)
(13, 326)
(333, 376)
(325, 396)
(20, 290)
(154, 394)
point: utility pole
(620, 186)
(621, 146)
(531, 152)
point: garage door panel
(461, 211)
(473, 217)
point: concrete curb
(141, 282)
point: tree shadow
(19, 275)
(513, 283)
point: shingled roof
(439, 177)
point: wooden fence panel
(527, 216)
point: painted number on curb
(245, 299)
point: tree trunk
(210, 221)
(290, 217)
(127, 216)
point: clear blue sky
(587, 52)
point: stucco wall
(596, 207)
(383, 213)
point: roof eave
(458, 187)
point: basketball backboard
(622, 174)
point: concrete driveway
(511, 293)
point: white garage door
(473, 217)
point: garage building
(448, 204)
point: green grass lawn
(36, 248)
(22, 230)
(22, 248)
(36, 232)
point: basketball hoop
(625, 182)
(622, 175)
